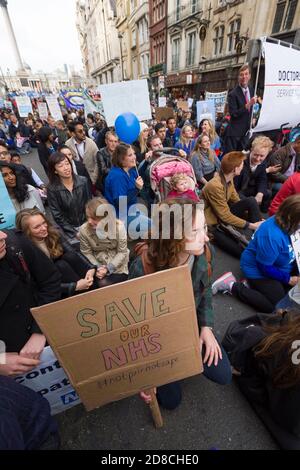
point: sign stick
(155, 410)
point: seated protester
(62, 135)
(253, 180)
(122, 187)
(173, 132)
(186, 141)
(268, 262)
(37, 126)
(46, 147)
(14, 157)
(161, 132)
(17, 132)
(140, 145)
(181, 188)
(28, 279)
(77, 165)
(192, 250)
(29, 174)
(268, 375)
(85, 149)
(287, 160)
(186, 119)
(108, 252)
(67, 195)
(289, 188)
(25, 416)
(204, 161)
(28, 130)
(207, 127)
(154, 144)
(77, 273)
(223, 204)
(104, 159)
(22, 195)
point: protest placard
(162, 101)
(116, 341)
(7, 210)
(162, 114)
(206, 110)
(183, 105)
(296, 245)
(24, 105)
(124, 97)
(50, 381)
(8, 104)
(219, 99)
(54, 108)
(43, 111)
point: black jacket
(13, 130)
(68, 209)
(24, 288)
(257, 180)
(240, 117)
(44, 154)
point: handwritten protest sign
(162, 114)
(24, 105)
(54, 108)
(43, 111)
(7, 210)
(296, 245)
(116, 341)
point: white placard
(296, 245)
(281, 100)
(24, 106)
(162, 102)
(219, 99)
(124, 97)
(43, 111)
(51, 382)
(206, 110)
(190, 102)
(54, 108)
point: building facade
(98, 37)
(158, 44)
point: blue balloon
(127, 127)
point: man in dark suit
(240, 102)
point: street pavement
(209, 417)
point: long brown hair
(198, 149)
(52, 241)
(288, 215)
(164, 253)
(279, 344)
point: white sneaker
(224, 283)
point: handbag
(234, 233)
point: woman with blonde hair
(204, 160)
(186, 141)
(77, 273)
(105, 246)
(207, 127)
(140, 146)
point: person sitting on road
(223, 204)
(186, 141)
(107, 251)
(181, 187)
(268, 262)
(287, 160)
(207, 128)
(204, 161)
(289, 188)
(77, 273)
(193, 250)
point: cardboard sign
(184, 105)
(162, 114)
(24, 106)
(7, 209)
(116, 341)
(43, 111)
(54, 108)
(51, 382)
(124, 97)
(296, 245)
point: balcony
(185, 11)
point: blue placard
(206, 110)
(7, 210)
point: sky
(46, 34)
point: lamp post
(120, 36)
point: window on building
(290, 14)
(194, 5)
(279, 16)
(234, 32)
(190, 53)
(219, 39)
(133, 34)
(175, 54)
(177, 10)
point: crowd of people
(244, 198)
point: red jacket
(289, 188)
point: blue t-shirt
(216, 145)
(119, 184)
(270, 246)
(187, 148)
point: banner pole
(155, 410)
(256, 85)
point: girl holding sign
(192, 249)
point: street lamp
(120, 36)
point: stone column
(12, 37)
